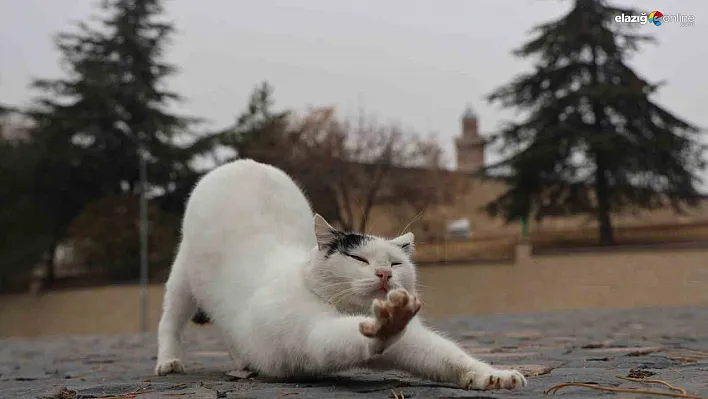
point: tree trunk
(602, 188)
(604, 210)
(344, 203)
(50, 266)
(370, 199)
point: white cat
(292, 296)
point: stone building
(470, 144)
(467, 208)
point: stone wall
(659, 276)
(674, 275)
(389, 220)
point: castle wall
(431, 225)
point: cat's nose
(384, 274)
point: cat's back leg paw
(169, 367)
(493, 379)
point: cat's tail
(201, 317)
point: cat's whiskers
(357, 288)
(351, 287)
(415, 219)
(340, 296)
(333, 293)
(332, 285)
(366, 284)
(418, 285)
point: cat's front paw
(392, 315)
(492, 378)
(168, 367)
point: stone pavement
(571, 346)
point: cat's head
(352, 269)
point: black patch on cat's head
(345, 243)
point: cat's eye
(359, 258)
(395, 263)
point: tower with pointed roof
(470, 145)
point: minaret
(470, 145)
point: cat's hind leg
(241, 369)
(178, 307)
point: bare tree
(347, 168)
(362, 164)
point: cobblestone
(592, 346)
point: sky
(416, 63)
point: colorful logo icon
(655, 18)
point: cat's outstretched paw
(169, 367)
(392, 315)
(493, 379)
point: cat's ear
(405, 242)
(324, 232)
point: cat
(293, 296)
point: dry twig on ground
(682, 394)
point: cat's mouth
(383, 289)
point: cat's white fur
(251, 258)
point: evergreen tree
(592, 140)
(267, 135)
(259, 131)
(112, 102)
(114, 97)
(23, 238)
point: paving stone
(552, 348)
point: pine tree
(592, 140)
(23, 238)
(112, 101)
(259, 131)
(114, 97)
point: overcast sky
(413, 62)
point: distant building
(470, 145)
